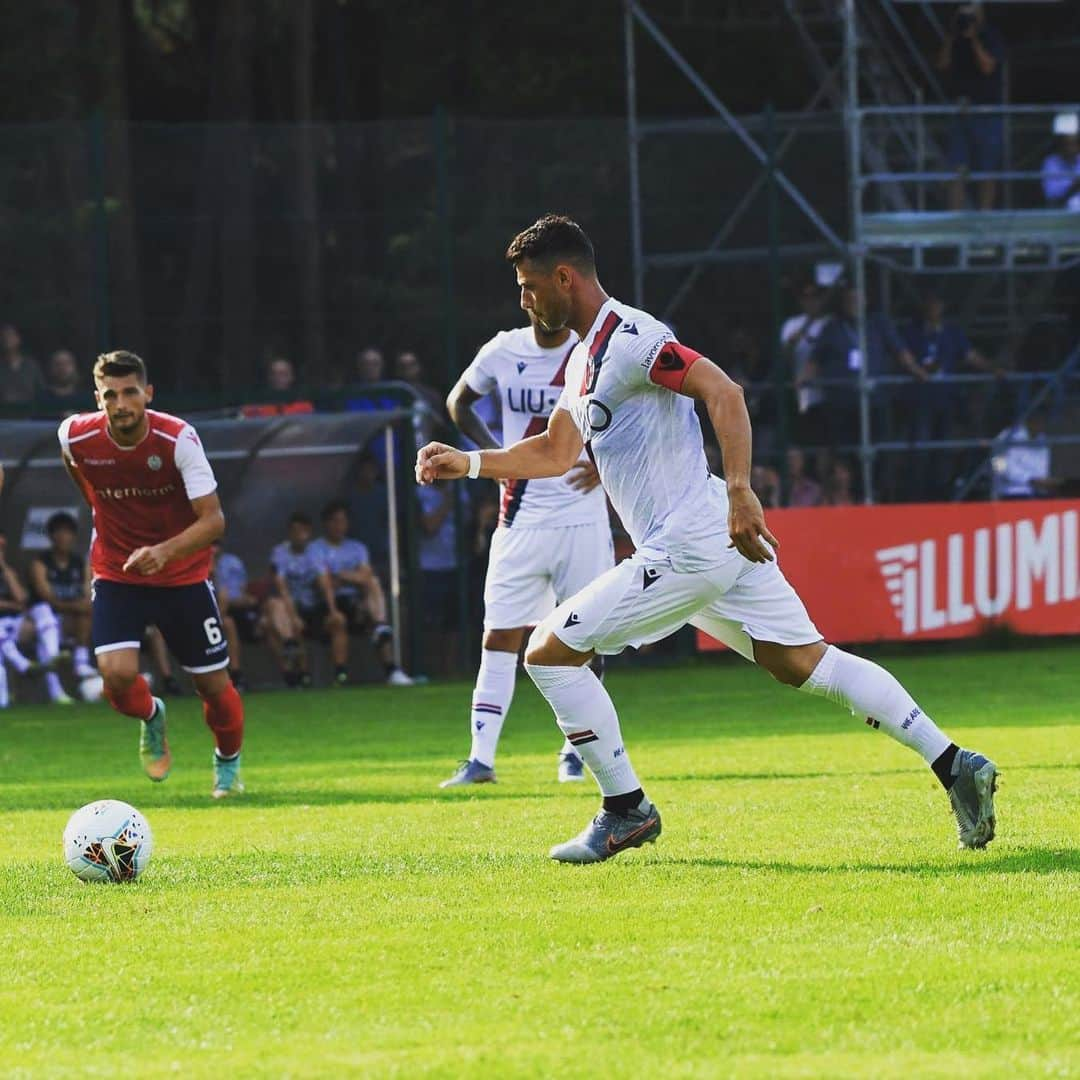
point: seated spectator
(838, 360)
(370, 365)
(802, 489)
(1021, 463)
(407, 368)
(799, 337)
(936, 349)
(1061, 170)
(303, 603)
(358, 594)
(62, 392)
(839, 489)
(280, 395)
(20, 376)
(17, 628)
(972, 58)
(439, 573)
(241, 619)
(60, 596)
(364, 393)
(765, 481)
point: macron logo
(572, 621)
(521, 366)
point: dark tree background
(214, 180)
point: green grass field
(806, 912)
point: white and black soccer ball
(92, 688)
(107, 841)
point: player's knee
(503, 640)
(118, 680)
(546, 650)
(790, 665)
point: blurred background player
(60, 597)
(303, 602)
(358, 594)
(239, 606)
(156, 513)
(553, 535)
(16, 629)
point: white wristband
(474, 464)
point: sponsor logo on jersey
(135, 492)
(987, 572)
(99, 461)
(535, 402)
(153, 462)
(650, 356)
(598, 415)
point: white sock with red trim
(871, 692)
(491, 702)
(585, 713)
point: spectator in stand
(303, 603)
(370, 365)
(765, 481)
(363, 393)
(367, 507)
(407, 368)
(1061, 170)
(62, 393)
(20, 376)
(839, 490)
(938, 348)
(241, 619)
(972, 58)
(439, 572)
(358, 594)
(799, 337)
(280, 395)
(838, 357)
(802, 490)
(1021, 463)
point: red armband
(671, 365)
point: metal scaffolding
(871, 73)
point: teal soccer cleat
(227, 780)
(154, 746)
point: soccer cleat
(397, 677)
(471, 772)
(571, 768)
(972, 798)
(227, 777)
(62, 699)
(608, 834)
(154, 746)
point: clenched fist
(437, 461)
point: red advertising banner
(945, 570)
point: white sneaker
(397, 677)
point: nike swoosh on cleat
(614, 845)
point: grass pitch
(805, 912)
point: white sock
(10, 651)
(869, 690)
(5, 697)
(587, 717)
(47, 627)
(491, 702)
(82, 657)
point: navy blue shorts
(187, 616)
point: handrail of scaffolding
(953, 108)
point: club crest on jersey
(153, 462)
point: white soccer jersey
(530, 379)
(645, 438)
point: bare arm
(552, 453)
(986, 60)
(77, 479)
(209, 524)
(723, 399)
(17, 593)
(326, 587)
(459, 404)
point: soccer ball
(107, 841)
(91, 688)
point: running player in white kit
(704, 553)
(553, 536)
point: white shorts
(643, 600)
(531, 570)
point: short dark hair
(337, 506)
(120, 363)
(298, 517)
(61, 520)
(554, 237)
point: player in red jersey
(156, 513)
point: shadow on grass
(1022, 861)
(192, 800)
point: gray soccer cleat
(972, 798)
(608, 834)
(471, 772)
